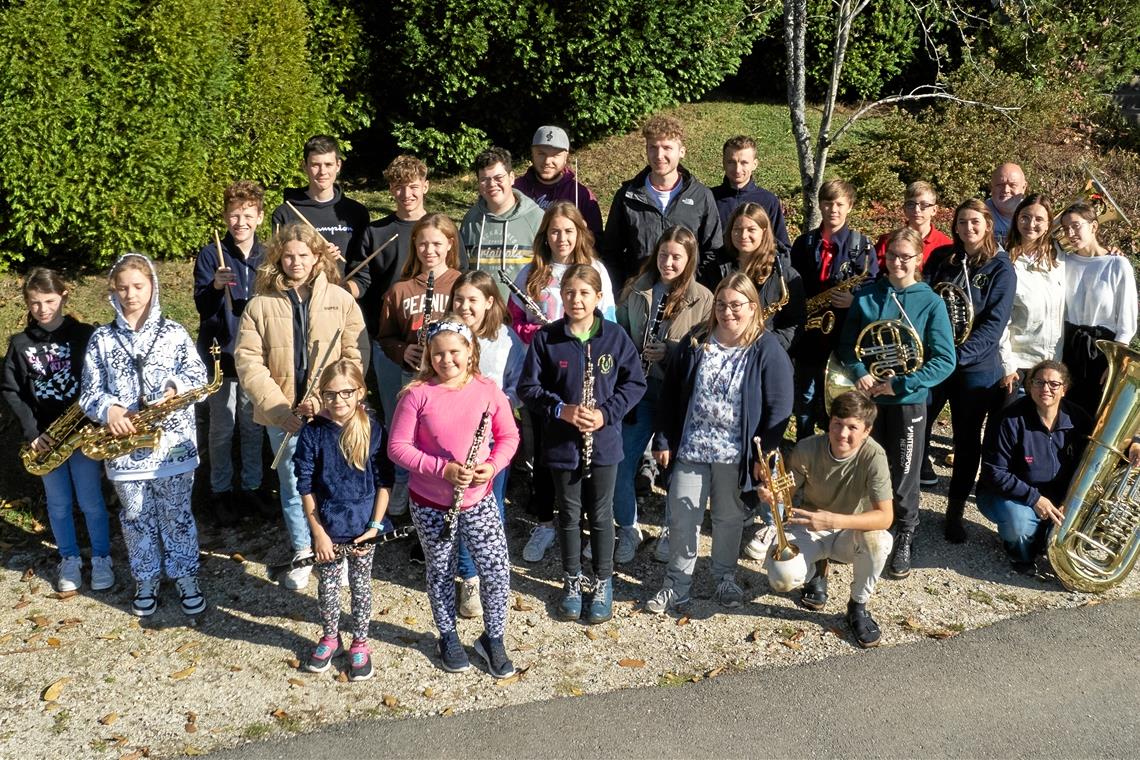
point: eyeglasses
(734, 307)
(915, 205)
(346, 394)
(1074, 228)
(901, 257)
(498, 179)
(1053, 385)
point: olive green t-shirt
(847, 486)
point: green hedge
(122, 120)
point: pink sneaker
(359, 661)
(327, 648)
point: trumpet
(782, 485)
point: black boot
(899, 566)
(814, 593)
(954, 530)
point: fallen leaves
(683, 620)
(62, 595)
(292, 662)
(390, 701)
(591, 634)
(631, 662)
(409, 620)
(186, 672)
(296, 682)
(186, 647)
(238, 558)
(520, 605)
(52, 691)
(793, 641)
(39, 621)
(109, 719)
(429, 692)
(191, 723)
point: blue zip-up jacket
(216, 320)
(344, 495)
(927, 314)
(553, 372)
(992, 287)
(766, 402)
(855, 253)
(728, 198)
(1022, 460)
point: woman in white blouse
(1100, 302)
(1037, 322)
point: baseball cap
(553, 137)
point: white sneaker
(398, 503)
(664, 600)
(102, 576)
(628, 539)
(661, 549)
(298, 577)
(541, 539)
(757, 548)
(469, 604)
(70, 576)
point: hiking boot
(541, 539)
(757, 548)
(470, 605)
(146, 598)
(193, 603)
(495, 655)
(451, 654)
(359, 661)
(899, 566)
(665, 600)
(954, 529)
(570, 605)
(70, 575)
(102, 576)
(661, 547)
(866, 630)
(601, 601)
(327, 648)
(728, 594)
(298, 577)
(813, 595)
(926, 475)
(628, 539)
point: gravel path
(82, 677)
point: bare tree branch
(922, 92)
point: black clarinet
(341, 550)
(651, 329)
(523, 296)
(429, 310)
(457, 496)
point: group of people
(676, 341)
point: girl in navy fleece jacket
(551, 386)
(344, 476)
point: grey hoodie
(492, 242)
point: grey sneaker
(70, 576)
(665, 600)
(728, 594)
(469, 604)
(628, 539)
(146, 598)
(193, 603)
(102, 576)
(541, 539)
(661, 548)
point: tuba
(66, 432)
(1096, 546)
(888, 347)
(960, 308)
(1094, 194)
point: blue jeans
(635, 437)
(466, 567)
(295, 524)
(388, 381)
(1017, 524)
(82, 479)
(230, 401)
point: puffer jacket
(264, 354)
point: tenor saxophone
(588, 403)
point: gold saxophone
(65, 433)
(1097, 545)
(99, 443)
(820, 314)
(773, 308)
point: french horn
(887, 348)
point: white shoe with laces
(70, 576)
(102, 574)
(757, 548)
(298, 577)
(541, 539)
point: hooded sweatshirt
(494, 242)
(162, 354)
(42, 372)
(926, 313)
(340, 220)
(565, 188)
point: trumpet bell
(787, 554)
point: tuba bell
(1096, 546)
(888, 347)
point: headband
(449, 326)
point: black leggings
(541, 505)
(973, 397)
(594, 497)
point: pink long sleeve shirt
(434, 424)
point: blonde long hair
(743, 285)
(271, 278)
(356, 434)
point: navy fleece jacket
(992, 286)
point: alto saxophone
(100, 443)
(773, 308)
(821, 316)
(457, 495)
(66, 433)
(588, 403)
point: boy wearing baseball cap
(550, 179)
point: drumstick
(310, 226)
(369, 257)
(222, 265)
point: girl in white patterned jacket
(136, 361)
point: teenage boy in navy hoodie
(221, 290)
(549, 179)
(738, 188)
(340, 220)
(824, 257)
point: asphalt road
(1064, 684)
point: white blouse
(1100, 291)
(1037, 322)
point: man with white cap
(550, 179)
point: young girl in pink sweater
(435, 421)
